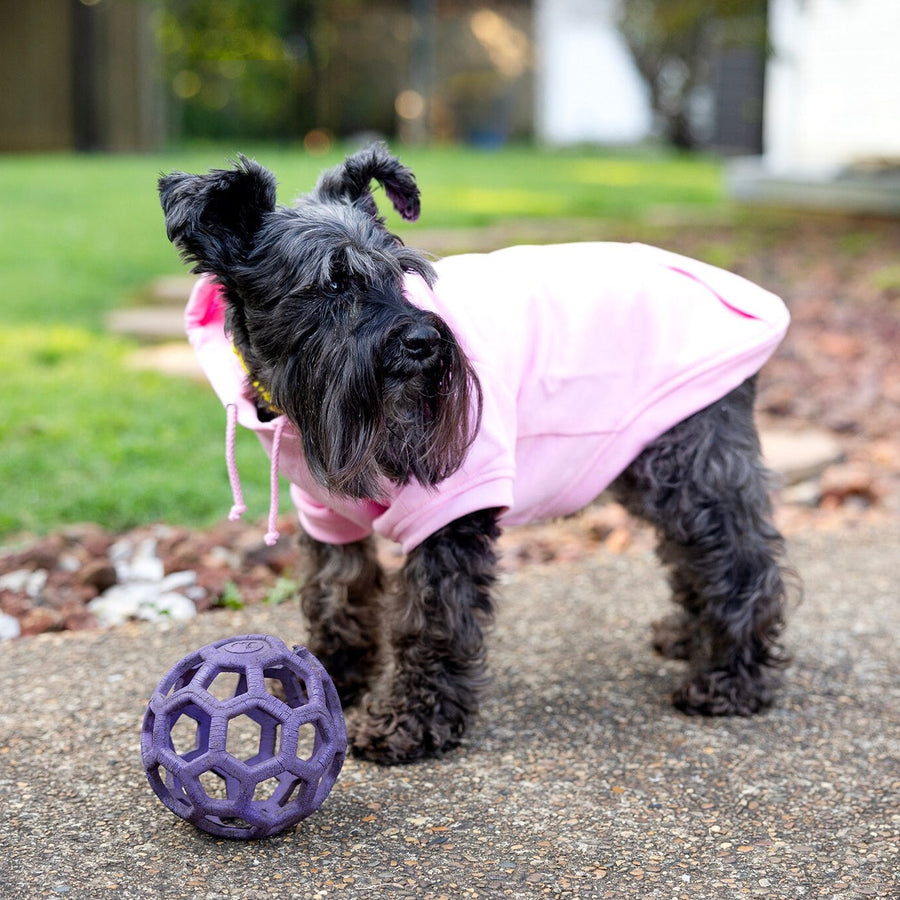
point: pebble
(167, 605)
(31, 583)
(9, 627)
(144, 590)
(145, 569)
(178, 580)
(140, 600)
(117, 605)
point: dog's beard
(366, 425)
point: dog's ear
(350, 181)
(213, 218)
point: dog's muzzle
(420, 342)
(412, 349)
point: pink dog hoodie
(585, 353)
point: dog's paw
(395, 736)
(722, 693)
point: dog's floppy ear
(213, 218)
(350, 181)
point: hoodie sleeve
(327, 525)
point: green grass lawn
(83, 437)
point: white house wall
(833, 83)
(588, 90)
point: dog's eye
(338, 278)
(330, 287)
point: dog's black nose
(420, 341)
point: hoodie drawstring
(239, 508)
(271, 536)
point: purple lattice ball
(244, 738)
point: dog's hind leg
(341, 597)
(704, 488)
(434, 665)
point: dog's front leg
(341, 597)
(434, 665)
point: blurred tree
(674, 43)
(240, 67)
(313, 69)
(283, 68)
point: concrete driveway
(579, 780)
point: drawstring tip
(236, 512)
(271, 538)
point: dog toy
(244, 738)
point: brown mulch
(838, 369)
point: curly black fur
(703, 487)
(341, 589)
(381, 392)
(434, 665)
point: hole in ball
(227, 685)
(287, 686)
(306, 741)
(187, 733)
(214, 785)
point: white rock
(120, 554)
(120, 603)
(36, 584)
(9, 627)
(32, 583)
(137, 563)
(15, 580)
(168, 605)
(146, 568)
(121, 550)
(69, 562)
(178, 580)
(146, 549)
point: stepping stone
(148, 323)
(798, 456)
(171, 289)
(170, 358)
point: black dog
(431, 402)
